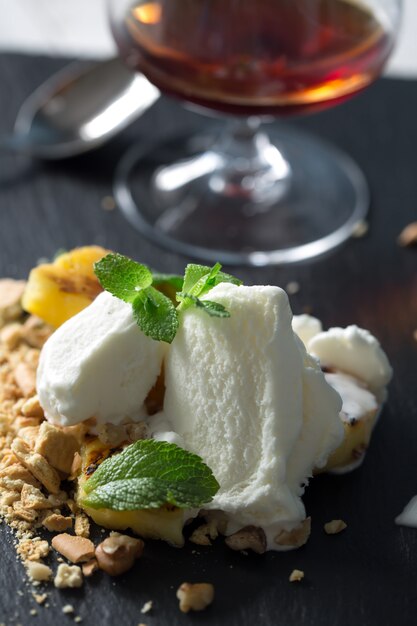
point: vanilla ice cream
(243, 394)
(98, 364)
(352, 350)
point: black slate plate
(364, 576)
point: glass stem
(252, 168)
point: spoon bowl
(79, 109)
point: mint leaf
(122, 276)
(149, 474)
(214, 309)
(199, 279)
(173, 280)
(155, 315)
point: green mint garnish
(132, 282)
(149, 474)
(153, 296)
(122, 277)
(198, 281)
(214, 309)
(155, 315)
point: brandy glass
(245, 192)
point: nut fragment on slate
(75, 549)
(116, 554)
(296, 537)
(296, 576)
(195, 597)
(248, 538)
(68, 576)
(408, 236)
(38, 571)
(335, 526)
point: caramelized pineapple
(57, 291)
(164, 523)
(352, 450)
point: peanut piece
(248, 538)
(117, 553)
(195, 597)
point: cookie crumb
(335, 526)
(68, 608)
(33, 612)
(296, 576)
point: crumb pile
(38, 461)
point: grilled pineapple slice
(164, 523)
(57, 291)
(351, 452)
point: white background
(79, 28)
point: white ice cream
(98, 364)
(352, 350)
(242, 393)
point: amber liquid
(255, 56)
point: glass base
(244, 198)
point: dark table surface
(366, 575)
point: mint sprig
(198, 280)
(149, 474)
(153, 296)
(155, 315)
(122, 277)
(132, 282)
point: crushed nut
(25, 379)
(68, 576)
(37, 465)
(296, 576)
(335, 526)
(33, 549)
(11, 292)
(195, 597)
(32, 408)
(75, 549)
(40, 598)
(89, 568)
(248, 538)
(147, 607)
(296, 537)
(205, 534)
(57, 523)
(67, 609)
(38, 571)
(408, 236)
(57, 446)
(117, 553)
(33, 498)
(11, 335)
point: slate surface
(365, 576)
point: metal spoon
(79, 109)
